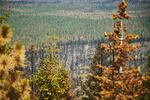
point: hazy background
(72, 20)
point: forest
(74, 50)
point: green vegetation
(52, 80)
(36, 27)
(32, 28)
(32, 22)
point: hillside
(71, 20)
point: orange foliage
(131, 37)
(119, 81)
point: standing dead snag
(119, 81)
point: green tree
(13, 84)
(52, 80)
(91, 86)
(92, 83)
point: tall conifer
(119, 81)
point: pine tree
(52, 80)
(90, 87)
(119, 81)
(13, 85)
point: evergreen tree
(52, 80)
(13, 85)
(119, 81)
(91, 86)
